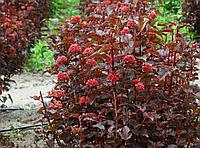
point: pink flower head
(131, 23)
(147, 68)
(125, 31)
(19, 25)
(84, 100)
(63, 76)
(61, 60)
(55, 104)
(129, 59)
(92, 83)
(74, 48)
(106, 2)
(139, 86)
(152, 15)
(125, 8)
(88, 51)
(135, 81)
(112, 77)
(57, 93)
(194, 46)
(75, 19)
(91, 62)
(56, 65)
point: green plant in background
(40, 57)
(171, 6)
(170, 10)
(16, 134)
(64, 8)
(61, 9)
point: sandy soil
(27, 86)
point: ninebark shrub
(20, 24)
(123, 80)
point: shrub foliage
(191, 11)
(123, 80)
(20, 23)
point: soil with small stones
(27, 86)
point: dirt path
(27, 85)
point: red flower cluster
(84, 100)
(63, 75)
(57, 93)
(139, 85)
(125, 8)
(135, 81)
(55, 104)
(91, 62)
(131, 23)
(19, 25)
(194, 46)
(92, 83)
(129, 59)
(147, 68)
(88, 51)
(106, 2)
(152, 15)
(61, 60)
(125, 31)
(112, 77)
(74, 48)
(75, 19)
(56, 65)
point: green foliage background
(41, 57)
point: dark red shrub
(20, 24)
(192, 14)
(128, 82)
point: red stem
(48, 119)
(81, 133)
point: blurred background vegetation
(41, 57)
(179, 11)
